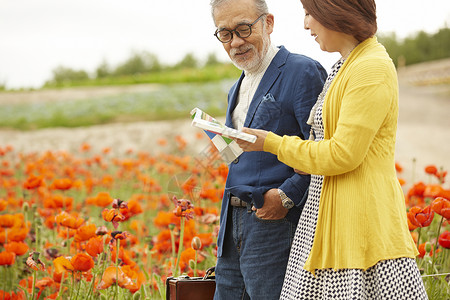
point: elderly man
(263, 197)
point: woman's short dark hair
(355, 17)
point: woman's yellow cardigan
(362, 213)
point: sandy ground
(423, 129)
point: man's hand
(272, 208)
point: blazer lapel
(269, 78)
(232, 101)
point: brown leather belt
(236, 202)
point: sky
(38, 36)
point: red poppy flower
(110, 277)
(3, 204)
(66, 220)
(61, 184)
(62, 264)
(433, 191)
(7, 221)
(431, 169)
(441, 206)
(103, 199)
(33, 182)
(7, 258)
(85, 232)
(444, 239)
(112, 215)
(19, 248)
(82, 262)
(183, 208)
(94, 246)
(422, 251)
(420, 217)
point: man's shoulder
(294, 60)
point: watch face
(288, 203)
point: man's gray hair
(261, 6)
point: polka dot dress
(388, 279)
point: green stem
(195, 265)
(61, 285)
(68, 241)
(34, 284)
(91, 286)
(435, 243)
(117, 268)
(78, 289)
(172, 238)
(180, 246)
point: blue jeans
(255, 256)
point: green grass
(168, 101)
(200, 75)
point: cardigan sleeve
(366, 99)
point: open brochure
(204, 121)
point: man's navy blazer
(281, 104)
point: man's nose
(236, 41)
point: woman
(352, 241)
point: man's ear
(269, 23)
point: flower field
(87, 225)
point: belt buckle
(237, 202)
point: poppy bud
(25, 207)
(427, 247)
(196, 243)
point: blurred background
(39, 36)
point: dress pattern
(388, 279)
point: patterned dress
(388, 279)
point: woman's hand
(257, 145)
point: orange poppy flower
(433, 191)
(19, 248)
(95, 246)
(420, 217)
(7, 258)
(431, 169)
(110, 277)
(103, 199)
(441, 206)
(3, 204)
(133, 208)
(66, 220)
(61, 184)
(7, 221)
(62, 264)
(18, 234)
(85, 147)
(58, 201)
(85, 232)
(33, 182)
(422, 251)
(112, 215)
(44, 282)
(82, 262)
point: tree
(63, 75)
(188, 61)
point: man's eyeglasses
(242, 31)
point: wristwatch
(285, 200)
